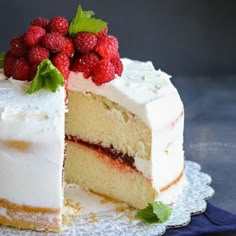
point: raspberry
(116, 62)
(33, 35)
(102, 33)
(85, 42)
(54, 42)
(40, 21)
(9, 62)
(59, 24)
(33, 71)
(18, 47)
(62, 63)
(69, 48)
(103, 72)
(21, 69)
(37, 55)
(107, 47)
(85, 64)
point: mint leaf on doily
(156, 212)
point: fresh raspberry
(18, 47)
(21, 69)
(33, 35)
(33, 71)
(102, 33)
(9, 62)
(116, 62)
(62, 63)
(85, 42)
(37, 55)
(54, 42)
(85, 64)
(40, 21)
(59, 24)
(107, 47)
(69, 48)
(103, 72)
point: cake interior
(103, 140)
(97, 120)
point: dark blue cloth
(212, 221)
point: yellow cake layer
(97, 172)
(96, 119)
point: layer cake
(121, 137)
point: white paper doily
(111, 219)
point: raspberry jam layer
(109, 151)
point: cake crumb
(70, 211)
(93, 217)
(68, 202)
(65, 220)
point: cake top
(139, 81)
(15, 103)
(143, 90)
(146, 83)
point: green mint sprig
(156, 212)
(84, 22)
(2, 56)
(47, 76)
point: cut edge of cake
(151, 125)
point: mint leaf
(84, 14)
(90, 25)
(162, 211)
(2, 56)
(84, 22)
(147, 215)
(156, 212)
(47, 76)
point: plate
(94, 215)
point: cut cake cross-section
(125, 138)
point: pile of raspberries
(96, 55)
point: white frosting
(166, 165)
(149, 94)
(32, 174)
(141, 90)
(171, 195)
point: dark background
(195, 41)
(182, 37)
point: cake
(120, 135)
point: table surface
(210, 132)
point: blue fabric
(213, 220)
